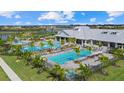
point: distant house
(85, 35)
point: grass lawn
(25, 72)
(115, 73)
(3, 76)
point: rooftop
(84, 32)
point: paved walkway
(10, 73)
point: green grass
(3, 76)
(25, 72)
(114, 73)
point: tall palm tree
(1, 42)
(62, 42)
(27, 56)
(72, 40)
(57, 73)
(40, 63)
(89, 48)
(50, 42)
(41, 44)
(77, 49)
(17, 49)
(100, 44)
(104, 60)
(10, 39)
(83, 72)
(118, 53)
(32, 44)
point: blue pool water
(20, 43)
(38, 48)
(69, 56)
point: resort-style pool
(20, 43)
(46, 46)
(69, 56)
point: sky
(60, 17)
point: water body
(4, 36)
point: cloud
(7, 14)
(92, 19)
(83, 13)
(49, 16)
(79, 23)
(114, 13)
(17, 16)
(58, 17)
(110, 19)
(68, 15)
(22, 23)
(18, 23)
(28, 23)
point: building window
(113, 33)
(76, 28)
(104, 32)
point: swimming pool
(69, 56)
(20, 43)
(46, 46)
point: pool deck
(72, 64)
(58, 53)
(92, 62)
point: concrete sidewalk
(9, 72)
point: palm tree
(1, 42)
(32, 44)
(50, 42)
(104, 60)
(89, 48)
(83, 72)
(72, 40)
(62, 42)
(118, 53)
(100, 44)
(77, 49)
(40, 63)
(27, 56)
(10, 39)
(57, 73)
(16, 49)
(41, 44)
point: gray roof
(94, 34)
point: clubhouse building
(84, 35)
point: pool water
(69, 56)
(46, 46)
(20, 43)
